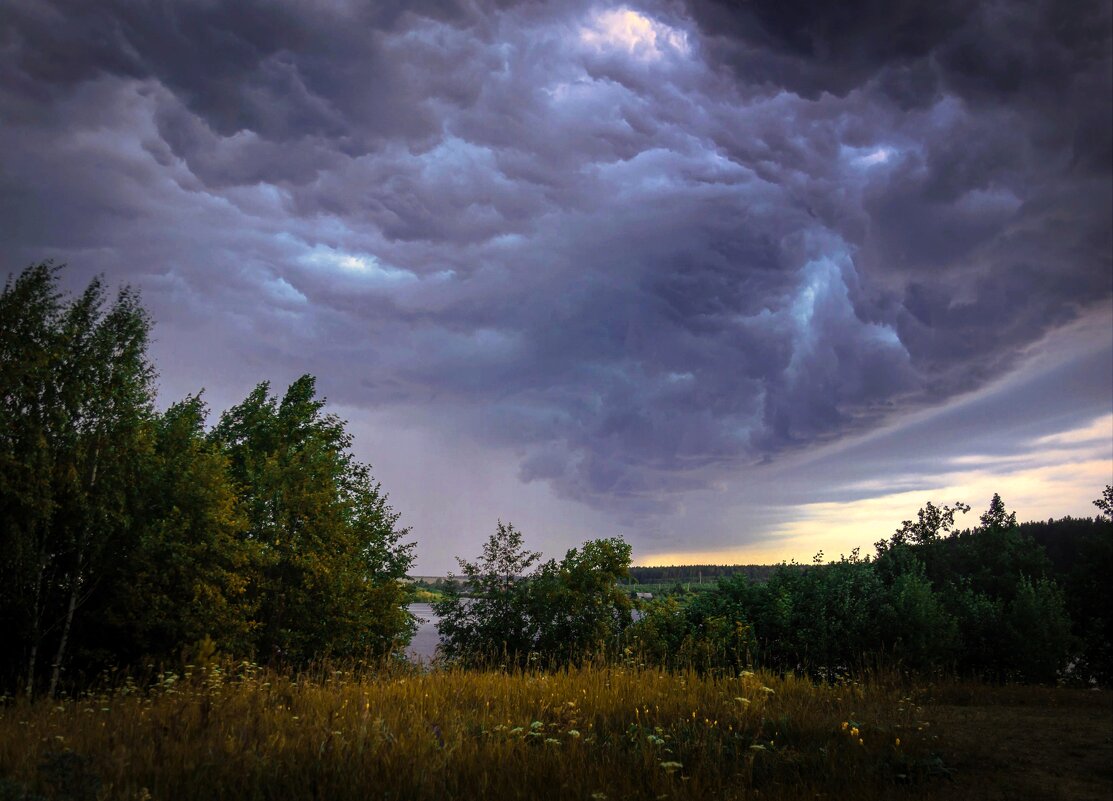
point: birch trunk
(56, 668)
(75, 588)
(36, 624)
(31, 667)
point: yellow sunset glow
(1064, 481)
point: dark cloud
(812, 47)
(642, 249)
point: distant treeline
(1062, 540)
(698, 573)
(1059, 538)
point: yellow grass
(595, 733)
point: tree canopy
(556, 613)
(132, 534)
(986, 601)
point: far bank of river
(424, 644)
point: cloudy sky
(738, 281)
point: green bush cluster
(557, 613)
(984, 601)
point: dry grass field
(240, 732)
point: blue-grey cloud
(642, 247)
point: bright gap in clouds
(1046, 483)
(878, 156)
(363, 265)
(640, 36)
(1035, 493)
(864, 157)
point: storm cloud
(644, 249)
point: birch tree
(76, 395)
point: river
(424, 644)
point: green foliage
(75, 397)
(1037, 631)
(931, 523)
(659, 635)
(489, 616)
(559, 613)
(919, 631)
(719, 633)
(979, 617)
(1105, 502)
(130, 535)
(186, 573)
(1081, 553)
(576, 606)
(996, 518)
(331, 555)
(982, 602)
(820, 619)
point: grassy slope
(613, 733)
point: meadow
(603, 732)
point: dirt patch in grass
(1024, 744)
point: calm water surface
(424, 643)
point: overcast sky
(738, 281)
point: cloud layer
(638, 247)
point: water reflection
(424, 644)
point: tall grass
(591, 733)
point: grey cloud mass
(644, 248)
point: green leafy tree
(332, 556)
(976, 577)
(1037, 632)
(558, 612)
(1085, 581)
(990, 559)
(186, 573)
(996, 518)
(819, 619)
(932, 522)
(920, 544)
(660, 634)
(31, 348)
(577, 607)
(919, 630)
(995, 557)
(982, 649)
(75, 397)
(488, 618)
(719, 634)
(1105, 502)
